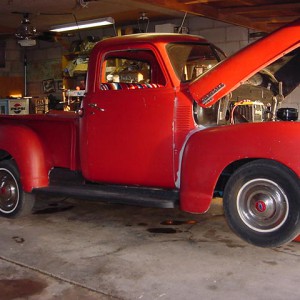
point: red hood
(239, 67)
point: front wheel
(14, 202)
(262, 203)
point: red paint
(40, 142)
(269, 140)
(135, 136)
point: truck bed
(58, 131)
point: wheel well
(4, 155)
(227, 172)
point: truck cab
(136, 114)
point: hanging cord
(78, 30)
(180, 27)
(25, 72)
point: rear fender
(25, 147)
(208, 152)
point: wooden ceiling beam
(208, 12)
(197, 1)
(261, 8)
(203, 10)
(274, 20)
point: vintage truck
(167, 120)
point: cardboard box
(39, 106)
(18, 106)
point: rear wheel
(14, 202)
(262, 203)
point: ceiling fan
(26, 33)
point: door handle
(95, 105)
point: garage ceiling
(262, 15)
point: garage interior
(79, 249)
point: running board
(130, 195)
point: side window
(127, 70)
(131, 69)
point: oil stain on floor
(20, 288)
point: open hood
(238, 68)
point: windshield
(192, 60)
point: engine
(257, 100)
(260, 98)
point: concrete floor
(71, 249)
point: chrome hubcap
(262, 205)
(9, 193)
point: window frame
(151, 58)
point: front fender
(208, 152)
(27, 150)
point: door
(128, 122)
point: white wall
(229, 38)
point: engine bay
(259, 99)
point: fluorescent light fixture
(83, 24)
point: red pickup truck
(168, 120)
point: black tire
(262, 203)
(14, 202)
